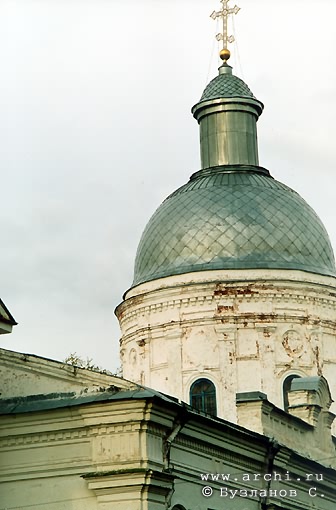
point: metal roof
(226, 85)
(47, 402)
(233, 217)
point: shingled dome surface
(226, 85)
(230, 218)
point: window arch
(286, 389)
(203, 396)
(178, 507)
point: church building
(228, 351)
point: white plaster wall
(44, 454)
(24, 374)
(53, 493)
(243, 330)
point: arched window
(286, 388)
(178, 507)
(203, 396)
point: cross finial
(224, 13)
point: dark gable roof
(5, 314)
(31, 403)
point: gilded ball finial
(225, 54)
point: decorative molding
(133, 310)
(224, 323)
(293, 343)
(43, 438)
(86, 432)
(243, 458)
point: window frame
(207, 397)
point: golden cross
(224, 14)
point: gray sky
(96, 130)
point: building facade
(234, 284)
(112, 444)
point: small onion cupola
(227, 114)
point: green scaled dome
(233, 217)
(226, 85)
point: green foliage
(78, 361)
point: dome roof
(226, 85)
(233, 217)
